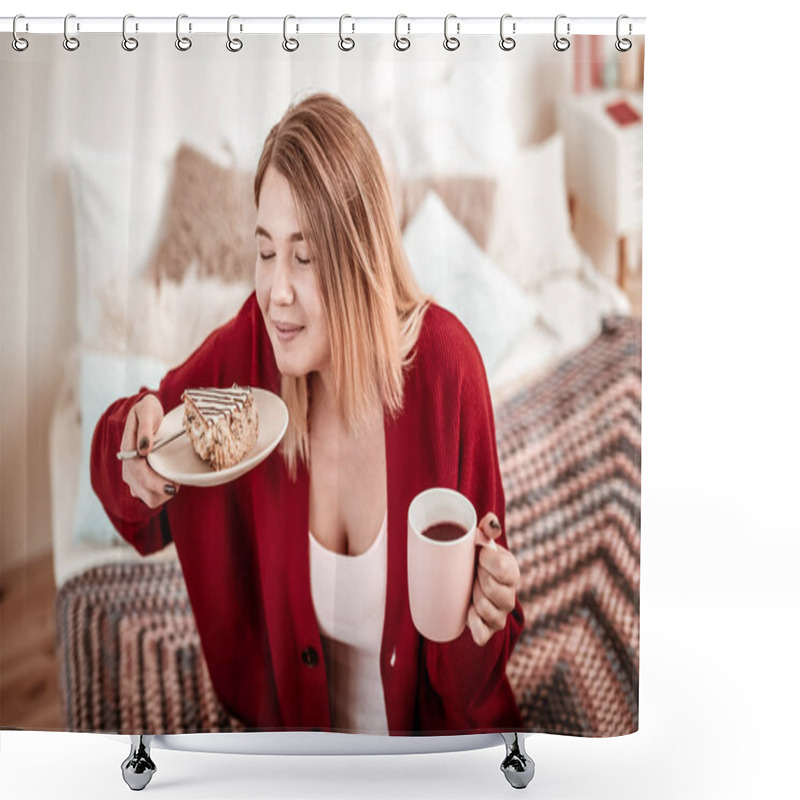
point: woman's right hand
(140, 428)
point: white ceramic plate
(178, 462)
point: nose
(282, 292)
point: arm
(471, 680)
(144, 527)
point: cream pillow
(450, 266)
(530, 237)
(166, 321)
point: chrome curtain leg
(518, 766)
(138, 768)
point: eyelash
(302, 261)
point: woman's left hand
(494, 593)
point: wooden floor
(29, 696)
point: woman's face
(286, 285)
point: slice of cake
(222, 424)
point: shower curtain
(168, 215)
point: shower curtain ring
(289, 44)
(17, 42)
(129, 43)
(233, 45)
(183, 43)
(451, 42)
(561, 43)
(623, 45)
(507, 42)
(346, 42)
(401, 42)
(70, 42)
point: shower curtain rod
(461, 26)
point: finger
(146, 484)
(129, 433)
(490, 525)
(155, 498)
(501, 595)
(159, 487)
(493, 617)
(169, 487)
(501, 564)
(480, 632)
(148, 417)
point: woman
(296, 571)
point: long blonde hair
(373, 304)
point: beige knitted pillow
(210, 219)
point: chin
(289, 367)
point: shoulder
(446, 349)
(246, 327)
(245, 323)
(239, 344)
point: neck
(323, 395)
(324, 406)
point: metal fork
(125, 454)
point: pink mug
(441, 573)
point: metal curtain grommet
(183, 43)
(289, 44)
(346, 42)
(401, 42)
(561, 43)
(129, 43)
(70, 42)
(451, 42)
(506, 42)
(623, 45)
(17, 42)
(233, 45)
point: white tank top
(349, 594)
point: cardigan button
(310, 657)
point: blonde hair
(373, 304)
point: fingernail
(494, 524)
(143, 443)
(169, 488)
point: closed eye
(303, 261)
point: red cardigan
(244, 546)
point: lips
(284, 327)
(286, 332)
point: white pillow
(450, 266)
(530, 236)
(451, 117)
(573, 306)
(118, 205)
(104, 379)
